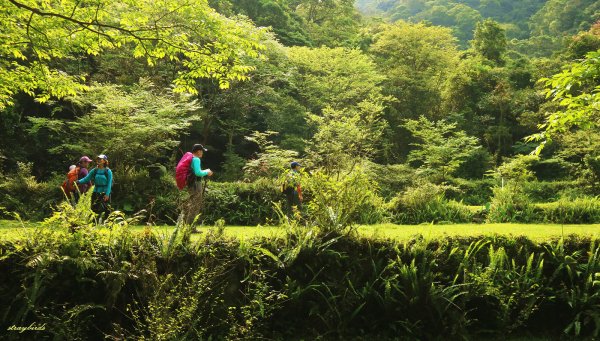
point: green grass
(539, 232)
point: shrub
(546, 191)
(551, 169)
(339, 201)
(97, 283)
(391, 179)
(427, 203)
(510, 204)
(241, 203)
(470, 192)
(157, 194)
(576, 211)
(21, 193)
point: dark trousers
(195, 203)
(99, 206)
(292, 199)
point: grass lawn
(539, 232)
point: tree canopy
(36, 36)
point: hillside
(523, 19)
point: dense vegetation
(99, 283)
(410, 111)
(435, 117)
(403, 102)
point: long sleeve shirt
(83, 172)
(196, 167)
(98, 186)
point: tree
(492, 102)
(36, 35)
(288, 26)
(331, 23)
(270, 159)
(441, 148)
(417, 60)
(584, 42)
(335, 77)
(489, 40)
(345, 138)
(270, 101)
(577, 90)
(562, 17)
(135, 127)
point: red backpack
(68, 186)
(182, 170)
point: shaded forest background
(414, 93)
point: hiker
(188, 172)
(82, 164)
(292, 189)
(102, 178)
(76, 172)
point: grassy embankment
(538, 232)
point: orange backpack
(68, 185)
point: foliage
(517, 169)
(239, 203)
(470, 192)
(203, 43)
(426, 203)
(345, 138)
(331, 23)
(289, 27)
(584, 42)
(536, 27)
(441, 149)
(124, 124)
(107, 282)
(335, 77)
(550, 191)
(270, 160)
(576, 90)
(571, 211)
(511, 204)
(417, 60)
(560, 17)
(489, 40)
(390, 179)
(339, 201)
(22, 194)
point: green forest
(398, 112)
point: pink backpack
(182, 170)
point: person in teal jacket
(196, 199)
(102, 178)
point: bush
(547, 191)
(339, 201)
(21, 193)
(510, 204)
(567, 211)
(471, 192)
(157, 194)
(235, 202)
(391, 179)
(551, 169)
(427, 203)
(241, 203)
(98, 283)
